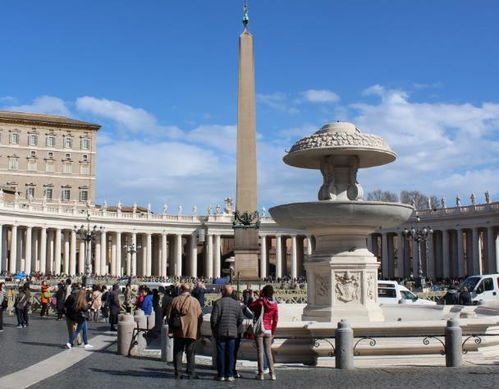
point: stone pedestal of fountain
(341, 273)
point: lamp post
(418, 235)
(87, 234)
(132, 250)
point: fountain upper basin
(319, 215)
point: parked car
(390, 292)
(484, 289)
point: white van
(484, 288)
(390, 292)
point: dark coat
(199, 293)
(226, 317)
(114, 302)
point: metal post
(453, 344)
(344, 346)
(164, 342)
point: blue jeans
(225, 356)
(83, 328)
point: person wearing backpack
(77, 309)
(266, 312)
(184, 319)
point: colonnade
(58, 250)
(449, 252)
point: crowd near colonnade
(38, 238)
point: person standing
(3, 303)
(226, 317)
(128, 298)
(114, 306)
(185, 318)
(27, 305)
(96, 304)
(247, 295)
(198, 292)
(19, 304)
(267, 307)
(59, 296)
(44, 299)
(105, 303)
(78, 310)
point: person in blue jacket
(147, 306)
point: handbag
(258, 328)
(5, 303)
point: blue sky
(161, 77)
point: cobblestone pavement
(107, 370)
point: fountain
(341, 272)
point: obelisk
(246, 220)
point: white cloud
(42, 104)
(320, 96)
(278, 101)
(217, 136)
(136, 120)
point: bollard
(344, 346)
(453, 345)
(213, 353)
(166, 345)
(125, 331)
(151, 321)
(140, 321)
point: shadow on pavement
(58, 345)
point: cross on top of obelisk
(245, 14)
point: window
(49, 167)
(32, 154)
(85, 157)
(84, 169)
(51, 155)
(30, 192)
(406, 295)
(67, 168)
(49, 193)
(85, 144)
(66, 194)
(51, 141)
(83, 195)
(14, 138)
(68, 142)
(13, 163)
(32, 165)
(33, 139)
(486, 284)
(67, 156)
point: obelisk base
(246, 253)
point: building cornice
(38, 120)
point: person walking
(105, 303)
(185, 318)
(3, 303)
(44, 299)
(267, 307)
(71, 322)
(226, 317)
(77, 309)
(114, 306)
(96, 304)
(27, 305)
(59, 296)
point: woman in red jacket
(268, 307)
(44, 299)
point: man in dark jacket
(226, 317)
(114, 307)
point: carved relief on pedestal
(322, 289)
(371, 286)
(347, 287)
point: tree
(419, 200)
(379, 195)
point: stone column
(27, 254)
(3, 265)
(385, 257)
(445, 254)
(149, 255)
(430, 258)
(278, 256)
(217, 260)
(209, 256)
(97, 264)
(103, 253)
(294, 258)
(193, 255)
(401, 255)
(414, 250)
(58, 251)
(119, 273)
(134, 255)
(497, 253)
(369, 242)
(461, 271)
(476, 265)
(112, 269)
(178, 255)
(82, 257)
(43, 250)
(263, 256)
(491, 251)
(50, 252)
(309, 245)
(35, 250)
(72, 257)
(164, 255)
(301, 256)
(65, 240)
